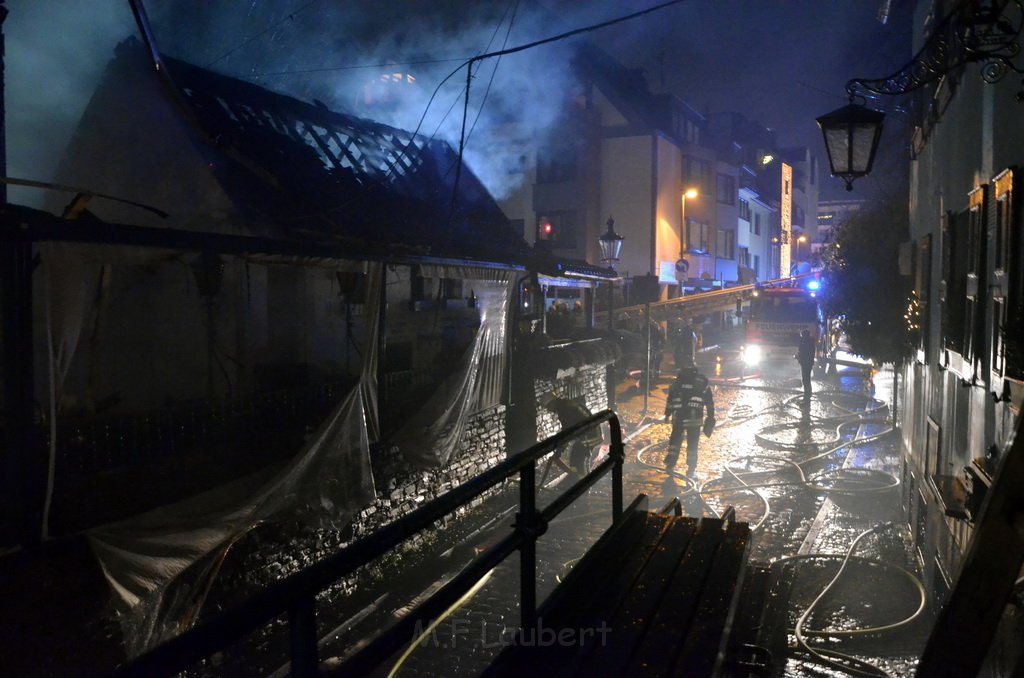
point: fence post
(302, 637)
(647, 354)
(526, 523)
(618, 453)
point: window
(692, 132)
(698, 236)
(744, 257)
(560, 165)
(559, 228)
(726, 189)
(1003, 190)
(744, 209)
(1005, 288)
(922, 285)
(697, 171)
(757, 223)
(451, 288)
(726, 244)
(976, 280)
(954, 279)
(757, 266)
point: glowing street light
(682, 265)
(611, 245)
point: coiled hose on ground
(842, 481)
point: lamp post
(611, 245)
(682, 265)
(851, 140)
(972, 32)
(802, 239)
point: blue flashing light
(813, 285)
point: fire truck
(776, 318)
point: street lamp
(972, 32)
(682, 265)
(801, 239)
(611, 245)
(851, 140)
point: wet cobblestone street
(787, 455)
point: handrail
(295, 594)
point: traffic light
(546, 230)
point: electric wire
(266, 30)
(353, 67)
(497, 62)
(520, 48)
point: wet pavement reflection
(811, 476)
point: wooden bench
(655, 596)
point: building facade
(962, 392)
(633, 155)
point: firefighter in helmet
(688, 399)
(570, 411)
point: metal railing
(295, 595)
(700, 303)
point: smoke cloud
(55, 53)
(369, 59)
(716, 54)
(384, 64)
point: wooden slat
(593, 571)
(601, 569)
(708, 629)
(630, 622)
(672, 618)
(667, 589)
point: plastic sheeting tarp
(161, 563)
(433, 433)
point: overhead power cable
(530, 45)
(574, 32)
(355, 67)
(487, 91)
(266, 30)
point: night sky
(782, 62)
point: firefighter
(688, 398)
(571, 411)
(684, 349)
(805, 356)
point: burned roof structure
(286, 168)
(338, 175)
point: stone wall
(588, 382)
(402, 487)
